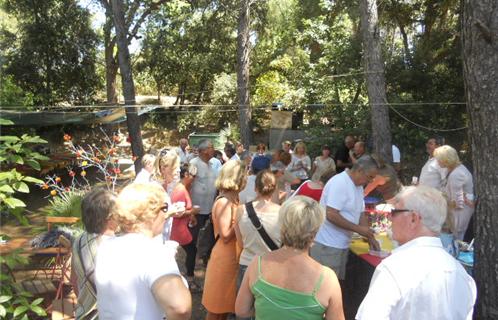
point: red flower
(67, 137)
(67, 189)
(116, 139)
(116, 170)
(72, 173)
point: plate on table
(380, 254)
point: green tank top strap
(319, 282)
(259, 266)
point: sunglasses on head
(164, 208)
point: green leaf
(25, 317)
(13, 202)
(5, 298)
(33, 164)
(5, 122)
(37, 156)
(7, 189)
(15, 158)
(32, 180)
(9, 138)
(35, 139)
(20, 310)
(36, 302)
(38, 310)
(21, 187)
(3, 312)
(6, 175)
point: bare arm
(173, 297)
(244, 305)
(334, 217)
(238, 234)
(335, 309)
(224, 219)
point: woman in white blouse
(322, 164)
(300, 164)
(459, 189)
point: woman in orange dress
(220, 286)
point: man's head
(419, 211)
(286, 146)
(349, 142)
(148, 161)
(359, 148)
(183, 143)
(433, 143)
(364, 170)
(229, 150)
(205, 149)
(96, 209)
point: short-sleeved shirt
(203, 189)
(343, 155)
(184, 155)
(322, 166)
(432, 175)
(303, 162)
(342, 194)
(127, 267)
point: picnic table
(361, 249)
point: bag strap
(251, 213)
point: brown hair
(265, 183)
(325, 177)
(286, 158)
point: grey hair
(366, 163)
(428, 202)
(204, 144)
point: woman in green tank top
(287, 283)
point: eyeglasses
(397, 211)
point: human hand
(370, 236)
(176, 210)
(192, 222)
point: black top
(343, 155)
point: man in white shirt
(432, 175)
(420, 280)
(343, 199)
(203, 190)
(182, 151)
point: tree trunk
(243, 50)
(111, 67)
(132, 119)
(480, 47)
(376, 82)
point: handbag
(251, 213)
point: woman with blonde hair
(220, 286)
(300, 164)
(459, 189)
(136, 273)
(288, 282)
(167, 173)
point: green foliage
(52, 53)
(13, 95)
(15, 151)
(16, 303)
(66, 204)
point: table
(360, 248)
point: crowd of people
(274, 231)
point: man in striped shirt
(97, 206)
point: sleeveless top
(271, 300)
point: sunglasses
(397, 211)
(164, 208)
